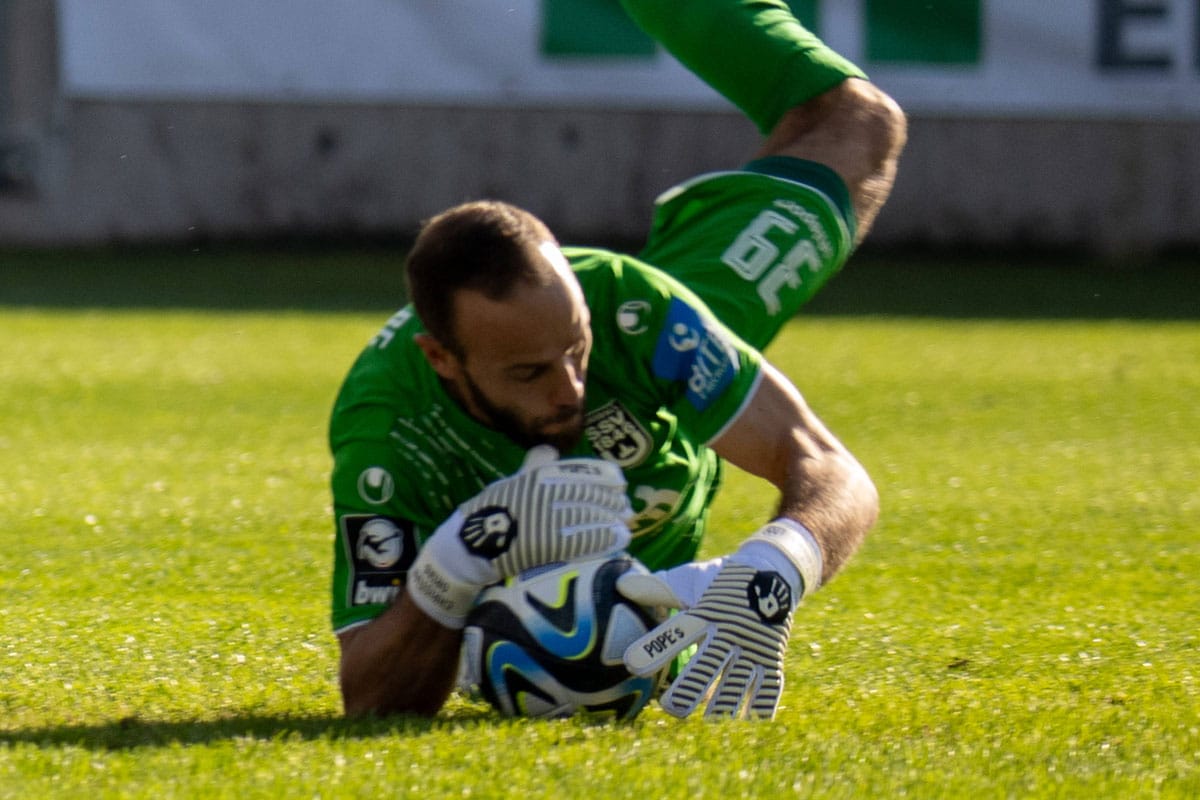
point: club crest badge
(617, 436)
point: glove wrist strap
(436, 582)
(441, 597)
(796, 543)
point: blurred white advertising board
(1110, 58)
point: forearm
(822, 486)
(834, 498)
(400, 662)
(406, 659)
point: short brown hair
(487, 246)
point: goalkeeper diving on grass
(538, 403)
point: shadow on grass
(133, 732)
(368, 277)
(231, 278)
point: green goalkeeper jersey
(665, 378)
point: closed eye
(527, 373)
(532, 372)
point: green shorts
(755, 244)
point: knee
(854, 110)
(855, 119)
(857, 130)
(883, 123)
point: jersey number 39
(756, 256)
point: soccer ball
(549, 643)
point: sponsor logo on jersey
(368, 594)
(616, 435)
(380, 543)
(380, 551)
(683, 338)
(376, 486)
(633, 317)
(695, 351)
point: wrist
(788, 548)
(438, 594)
(445, 579)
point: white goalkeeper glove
(742, 621)
(677, 587)
(551, 510)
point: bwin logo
(770, 597)
(684, 338)
(489, 531)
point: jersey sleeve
(375, 533)
(382, 506)
(404, 456)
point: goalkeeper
(537, 403)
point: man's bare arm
(822, 486)
(406, 659)
(400, 662)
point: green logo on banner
(913, 31)
(924, 31)
(591, 28)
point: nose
(567, 384)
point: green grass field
(1022, 623)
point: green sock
(754, 52)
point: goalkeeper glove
(742, 621)
(551, 510)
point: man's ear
(444, 363)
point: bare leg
(855, 129)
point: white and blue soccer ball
(549, 643)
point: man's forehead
(535, 323)
(551, 252)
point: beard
(530, 433)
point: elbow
(864, 496)
(870, 496)
(360, 702)
(370, 687)
(357, 707)
(402, 662)
(357, 700)
(369, 691)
